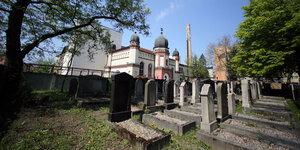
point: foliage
(269, 39)
(44, 69)
(198, 68)
(296, 111)
(239, 108)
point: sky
(210, 20)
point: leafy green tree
(27, 25)
(270, 39)
(198, 68)
(45, 66)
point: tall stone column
(245, 94)
(195, 92)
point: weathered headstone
(253, 89)
(209, 122)
(120, 109)
(183, 94)
(245, 94)
(231, 104)
(150, 93)
(222, 101)
(138, 91)
(91, 86)
(259, 92)
(168, 92)
(176, 88)
(73, 87)
(195, 92)
(159, 88)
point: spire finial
(161, 30)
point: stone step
(270, 105)
(260, 121)
(281, 138)
(273, 101)
(191, 109)
(222, 139)
(168, 123)
(183, 115)
(142, 136)
(273, 97)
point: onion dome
(175, 53)
(135, 38)
(161, 42)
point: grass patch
(239, 108)
(295, 110)
(54, 122)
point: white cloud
(173, 6)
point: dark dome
(113, 47)
(135, 38)
(175, 53)
(161, 42)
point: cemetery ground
(50, 121)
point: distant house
(220, 63)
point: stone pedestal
(209, 122)
(183, 99)
(246, 101)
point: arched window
(141, 69)
(149, 70)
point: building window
(141, 69)
(166, 62)
(149, 70)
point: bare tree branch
(3, 9)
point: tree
(45, 65)
(270, 39)
(28, 24)
(210, 54)
(198, 68)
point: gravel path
(255, 144)
(140, 130)
(275, 132)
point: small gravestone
(195, 92)
(183, 94)
(222, 101)
(120, 109)
(245, 94)
(150, 93)
(159, 88)
(73, 87)
(176, 88)
(231, 104)
(259, 92)
(168, 91)
(209, 122)
(139, 91)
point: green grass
(295, 110)
(54, 122)
(239, 108)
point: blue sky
(209, 20)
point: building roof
(135, 38)
(175, 53)
(161, 42)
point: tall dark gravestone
(222, 101)
(189, 87)
(120, 98)
(169, 92)
(139, 91)
(73, 87)
(92, 86)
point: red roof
(146, 50)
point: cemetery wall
(43, 81)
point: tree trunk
(69, 67)
(9, 102)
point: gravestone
(159, 88)
(150, 93)
(168, 91)
(209, 122)
(245, 94)
(231, 104)
(138, 91)
(222, 101)
(195, 92)
(253, 89)
(183, 94)
(92, 86)
(188, 88)
(120, 109)
(176, 88)
(73, 87)
(259, 92)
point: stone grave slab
(183, 115)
